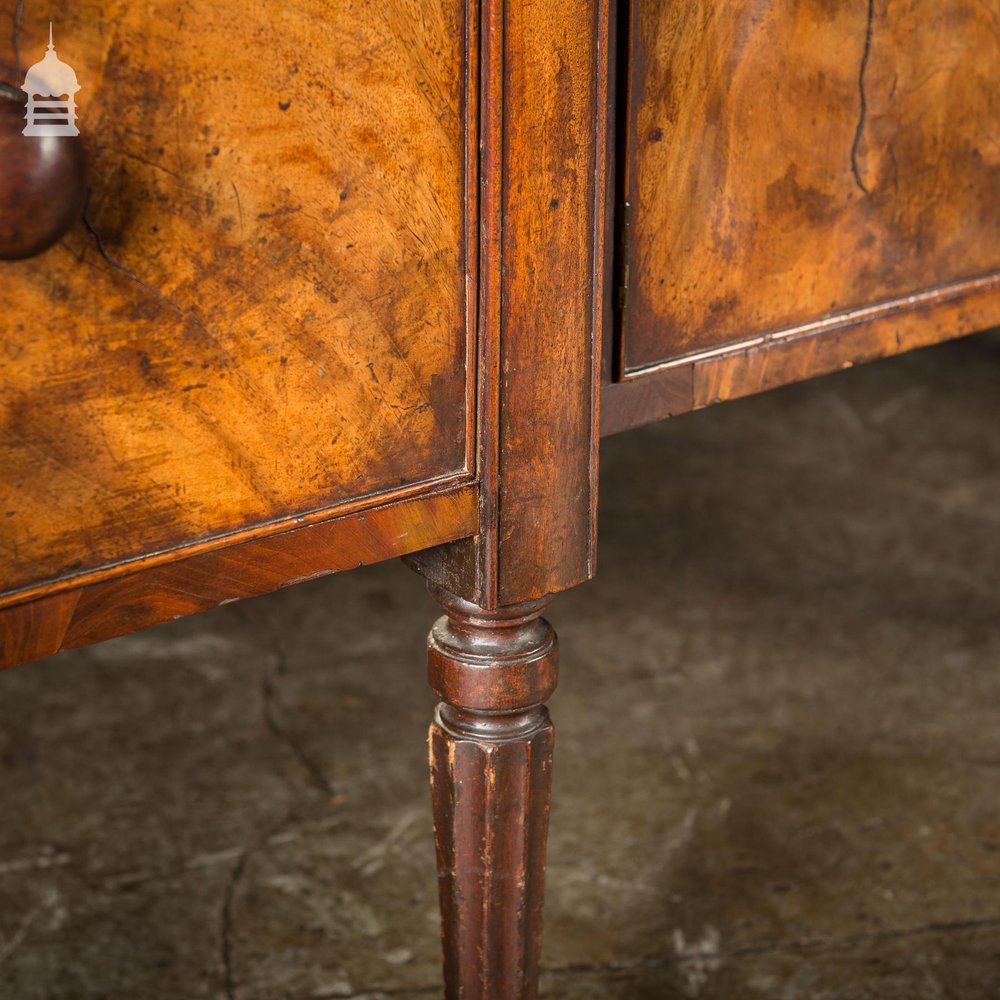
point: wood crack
(862, 100)
(132, 276)
(102, 250)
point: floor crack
(229, 895)
(753, 950)
(226, 921)
(7, 948)
(276, 728)
(383, 991)
(863, 100)
(270, 701)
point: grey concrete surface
(777, 757)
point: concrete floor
(778, 744)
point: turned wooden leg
(491, 764)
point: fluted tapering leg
(491, 762)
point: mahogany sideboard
(340, 281)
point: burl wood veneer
(798, 176)
(265, 313)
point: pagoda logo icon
(51, 87)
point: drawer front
(789, 161)
(267, 315)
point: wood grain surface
(817, 348)
(159, 592)
(491, 748)
(793, 160)
(265, 313)
(543, 186)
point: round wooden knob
(43, 183)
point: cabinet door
(265, 313)
(790, 160)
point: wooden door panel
(268, 314)
(789, 161)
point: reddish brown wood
(234, 377)
(638, 401)
(491, 758)
(824, 346)
(36, 629)
(794, 161)
(42, 184)
(159, 592)
(543, 188)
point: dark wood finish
(42, 186)
(616, 68)
(790, 162)
(543, 185)
(543, 258)
(266, 311)
(341, 290)
(814, 349)
(491, 759)
(154, 592)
